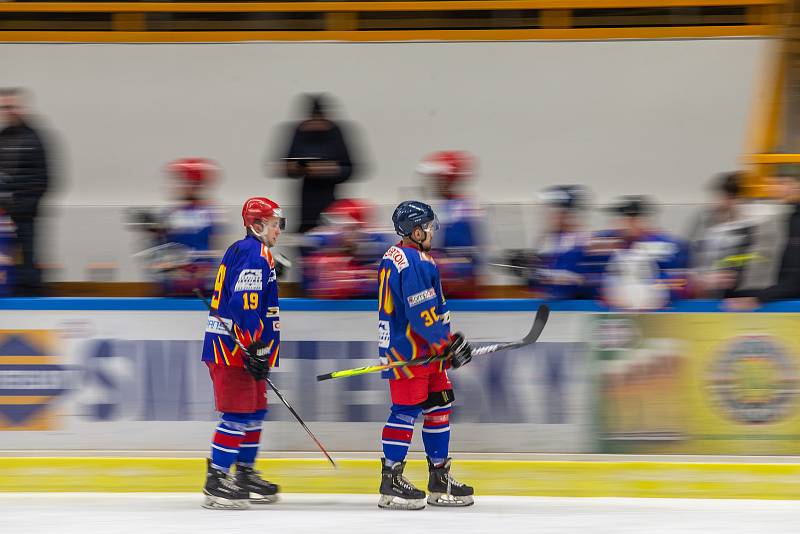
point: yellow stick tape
(562, 478)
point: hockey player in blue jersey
(636, 266)
(555, 269)
(245, 296)
(414, 323)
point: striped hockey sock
(436, 433)
(397, 432)
(252, 438)
(227, 440)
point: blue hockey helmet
(412, 213)
(565, 196)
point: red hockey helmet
(450, 165)
(194, 171)
(261, 208)
(349, 211)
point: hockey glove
(459, 351)
(257, 361)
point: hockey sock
(397, 432)
(227, 439)
(252, 438)
(436, 433)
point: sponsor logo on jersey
(422, 296)
(398, 257)
(249, 280)
(214, 326)
(273, 277)
(446, 318)
(273, 311)
(276, 326)
(384, 334)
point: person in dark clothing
(24, 178)
(319, 156)
(788, 283)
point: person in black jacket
(788, 282)
(24, 179)
(318, 154)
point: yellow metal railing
(402, 20)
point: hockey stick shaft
(269, 382)
(542, 315)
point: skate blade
(390, 502)
(220, 503)
(257, 498)
(443, 499)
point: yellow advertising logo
(30, 379)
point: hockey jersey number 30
(413, 320)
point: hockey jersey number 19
(413, 320)
(246, 294)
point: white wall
(657, 117)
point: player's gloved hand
(459, 351)
(257, 361)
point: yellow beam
(772, 159)
(433, 5)
(579, 34)
(555, 478)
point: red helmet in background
(450, 165)
(349, 211)
(261, 208)
(196, 172)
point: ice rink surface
(137, 513)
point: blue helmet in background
(410, 214)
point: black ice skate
(396, 491)
(260, 490)
(222, 492)
(444, 490)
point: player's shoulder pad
(397, 256)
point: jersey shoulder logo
(249, 280)
(398, 257)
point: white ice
(137, 513)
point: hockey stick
(269, 382)
(539, 322)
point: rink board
(361, 476)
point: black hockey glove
(257, 361)
(459, 351)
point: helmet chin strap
(261, 236)
(419, 243)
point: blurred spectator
(183, 254)
(636, 266)
(787, 190)
(729, 250)
(24, 174)
(340, 257)
(319, 155)
(459, 240)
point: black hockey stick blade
(539, 322)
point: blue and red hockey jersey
(246, 293)
(413, 319)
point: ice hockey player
(459, 240)
(246, 297)
(414, 323)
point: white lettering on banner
(249, 280)
(398, 257)
(422, 296)
(384, 334)
(31, 379)
(214, 326)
